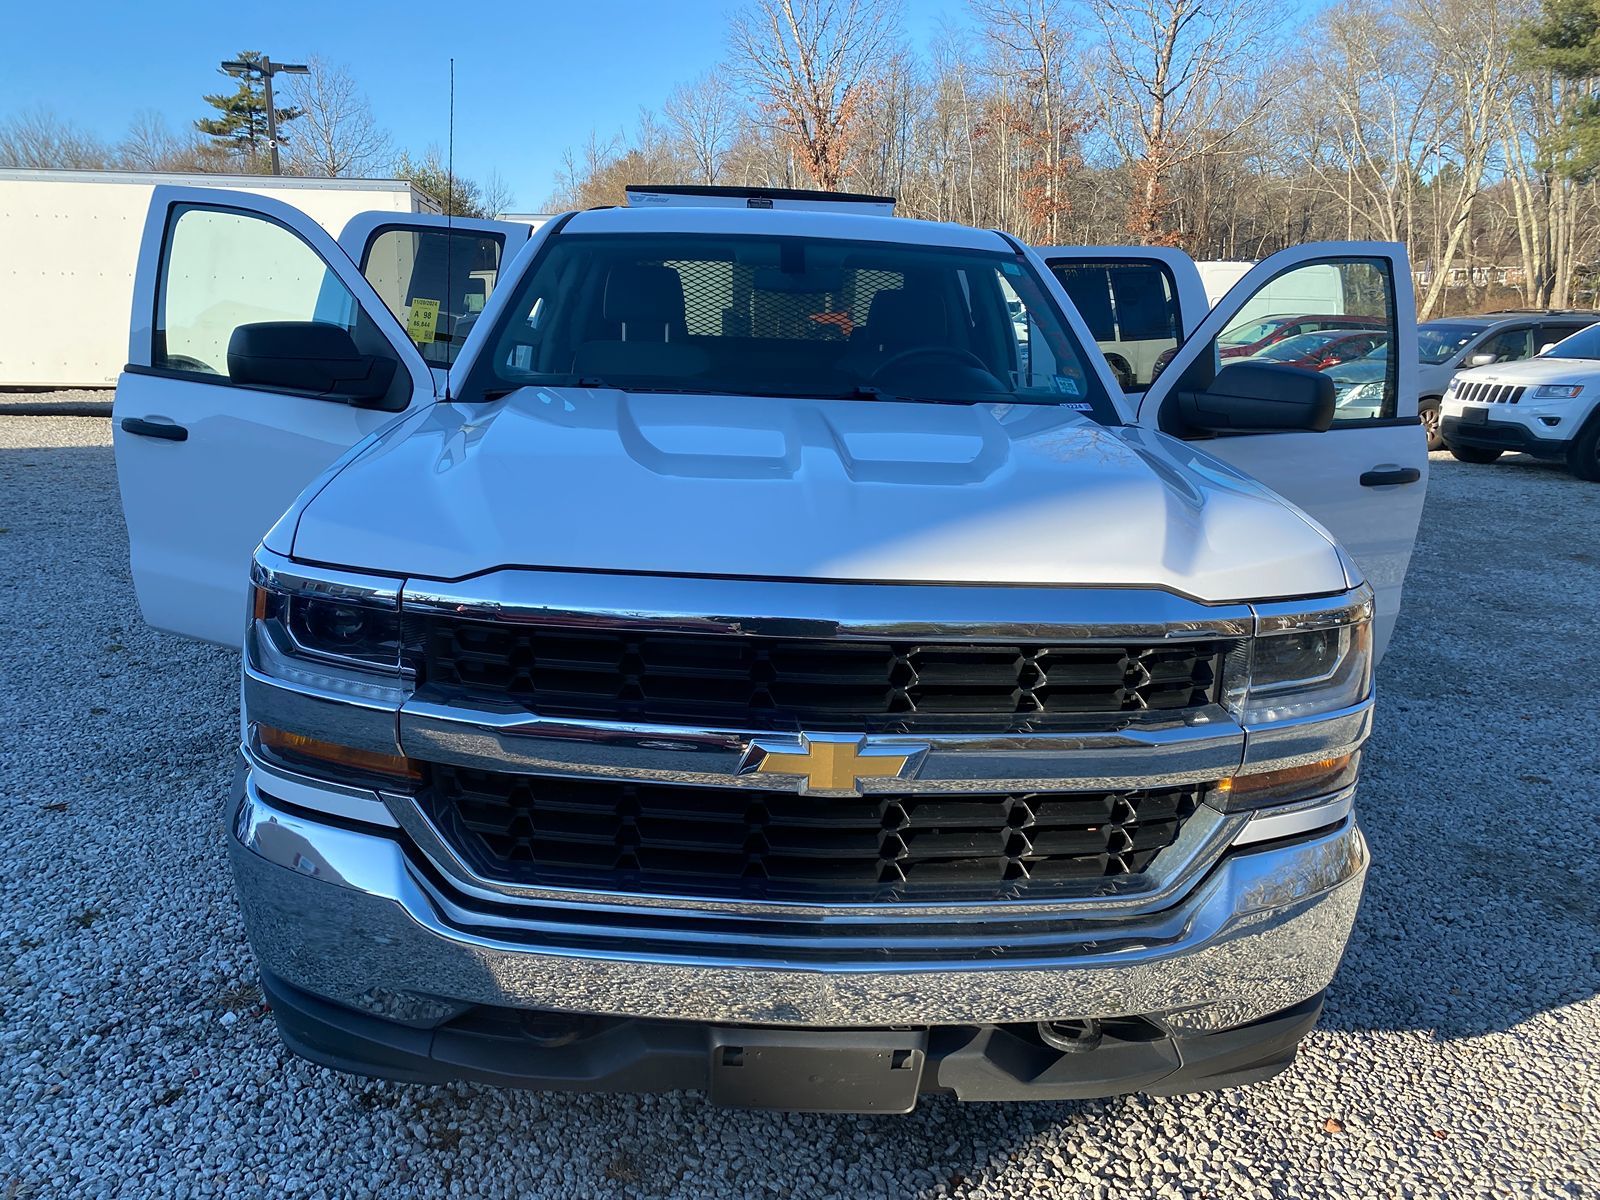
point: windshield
(791, 316)
(1436, 342)
(1583, 344)
(1243, 335)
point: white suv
(1545, 406)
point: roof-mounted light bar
(701, 196)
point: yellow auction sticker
(423, 321)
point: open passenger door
(434, 273)
(1138, 301)
(258, 355)
(1365, 476)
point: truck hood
(781, 488)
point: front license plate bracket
(866, 1071)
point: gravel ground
(1460, 1054)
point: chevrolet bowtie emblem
(831, 764)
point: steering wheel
(966, 357)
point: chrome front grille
(792, 684)
(532, 831)
(1489, 393)
(650, 739)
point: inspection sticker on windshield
(1067, 385)
(423, 321)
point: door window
(1508, 345)
(436, 281)
(1131, 308)
(1355, 295)
(224, 268)
(1551, 333)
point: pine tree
(241, 126)
(1565, 41)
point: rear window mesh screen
(722, 299)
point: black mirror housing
(313, 357)
(1249, 397)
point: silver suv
(1452, 344)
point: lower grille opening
(778, 846)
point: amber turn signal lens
(298, 745)
(1287, 784)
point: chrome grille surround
(1083, 753)
(1098, 752)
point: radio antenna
(449, 228)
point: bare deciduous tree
(497, 195)
(336, 134)
(705, 117)
(37, 138)
(811, 65)
(1173, 71)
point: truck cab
(770, 651)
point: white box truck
(69, 242)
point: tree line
(326, 128)
(1467, 129)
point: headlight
(324, 678)
(352, 620)
(1301, 673)
(1453, 388)
(1556, 391)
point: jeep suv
(774, 658)
(1547, 406)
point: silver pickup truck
(741, 642)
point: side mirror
(1248, 397)
(1481, 360)
(309, 356)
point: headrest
(644, 294)
(906, 317)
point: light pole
(264, 69)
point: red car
(1255, 336)
(1323, 349)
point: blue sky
(530, 80)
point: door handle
(1385, 476)
(155, 429)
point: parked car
(1253, 337)
(1323, 349)
(1547, 406)
(745, 670)
(1450, 344)
(1250, 339)
(1359, 384)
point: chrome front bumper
(355, 915)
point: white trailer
(1312, 291)
(69, 242)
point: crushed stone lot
(1459, 1055)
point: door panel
(1138, 301)
(1377, 520)
(449, 265)
(206, 463)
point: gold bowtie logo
(830, 764)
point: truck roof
(855, 226)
